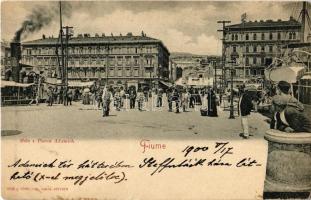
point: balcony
(148, 67)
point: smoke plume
(40, 17)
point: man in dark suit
(132, 96)
(245, 105)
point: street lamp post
(215, 68)
(231, 96)
(150, 80)
(107, 63)
(159, 74)
(223, 59)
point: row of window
(271, 36)
(248, 72)
(255, 60)
(111, 61)
(89, 50)
(259, 48)
(102, 73)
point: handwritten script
(216, 158)
(105, 171)
(219, 154)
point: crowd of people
(177, 98)
(286, 111)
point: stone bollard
(289, 162)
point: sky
(182, 26)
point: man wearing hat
(246, 105)
(49, 93)
(288, 112)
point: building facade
(254, 45)
(198, 70)
(190, 65)
(127, 60)
(5, 61)
(175, 71)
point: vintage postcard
(155, 100)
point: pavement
(86, 122)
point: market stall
(13, 93)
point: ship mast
(304, 16)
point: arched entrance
(8, 75)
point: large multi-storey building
(255, 44)
(127, 60)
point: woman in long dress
(140, 99)
(212, 105)
(106, 97)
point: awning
(200, 82)
(289, 73)
(14, 84)
(179, 82)
(166, 83)
(80, 84)
(306, 77)
(70, 83)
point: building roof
(87, 39)
(95, 40)
(266, 24)
(5, 44)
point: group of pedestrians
(187, 98)
(59, 95)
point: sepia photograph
(172, 99)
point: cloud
(204, 45)
(182, 26)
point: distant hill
(175, 54)
(185, 54)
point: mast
(61, 43)
(223, 59)
(303, 20)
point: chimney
(16, 50)
(15, 58)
